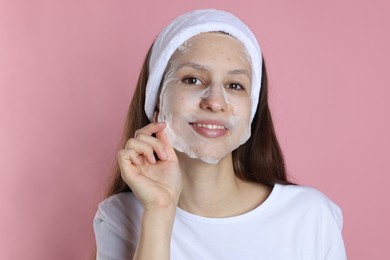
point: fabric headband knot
(191, 24)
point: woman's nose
(214, 99)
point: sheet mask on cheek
(177, 106)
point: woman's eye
(192, 81)
(236, 86)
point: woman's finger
(142, 149)
(156, 144)
(150, 129)
(170, 152)
(126, 155)
(129, 165)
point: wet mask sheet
(183, 104)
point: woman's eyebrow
(240, 71)
(195, 66)
(204, 68)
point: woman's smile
(210, 129)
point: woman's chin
(201, 156)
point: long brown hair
(260, 159)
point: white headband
(188, 25)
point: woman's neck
(213, 190)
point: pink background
(68, 70)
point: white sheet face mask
(205, 97)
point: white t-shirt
(294, 222)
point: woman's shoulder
(301, 192)
(116, 225)
(305, 199)
(121, 206)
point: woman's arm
(155, 237)
(157, 184)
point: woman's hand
(156, 183)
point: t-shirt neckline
(259, 210)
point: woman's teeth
(208, 126)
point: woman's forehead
(211, 45)
(209, 39)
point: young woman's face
(205, 97)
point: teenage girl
(201, 174)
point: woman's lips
(210, 129)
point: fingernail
(164, 155)
(153, 160)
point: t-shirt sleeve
(333, 240)
(116, 230)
